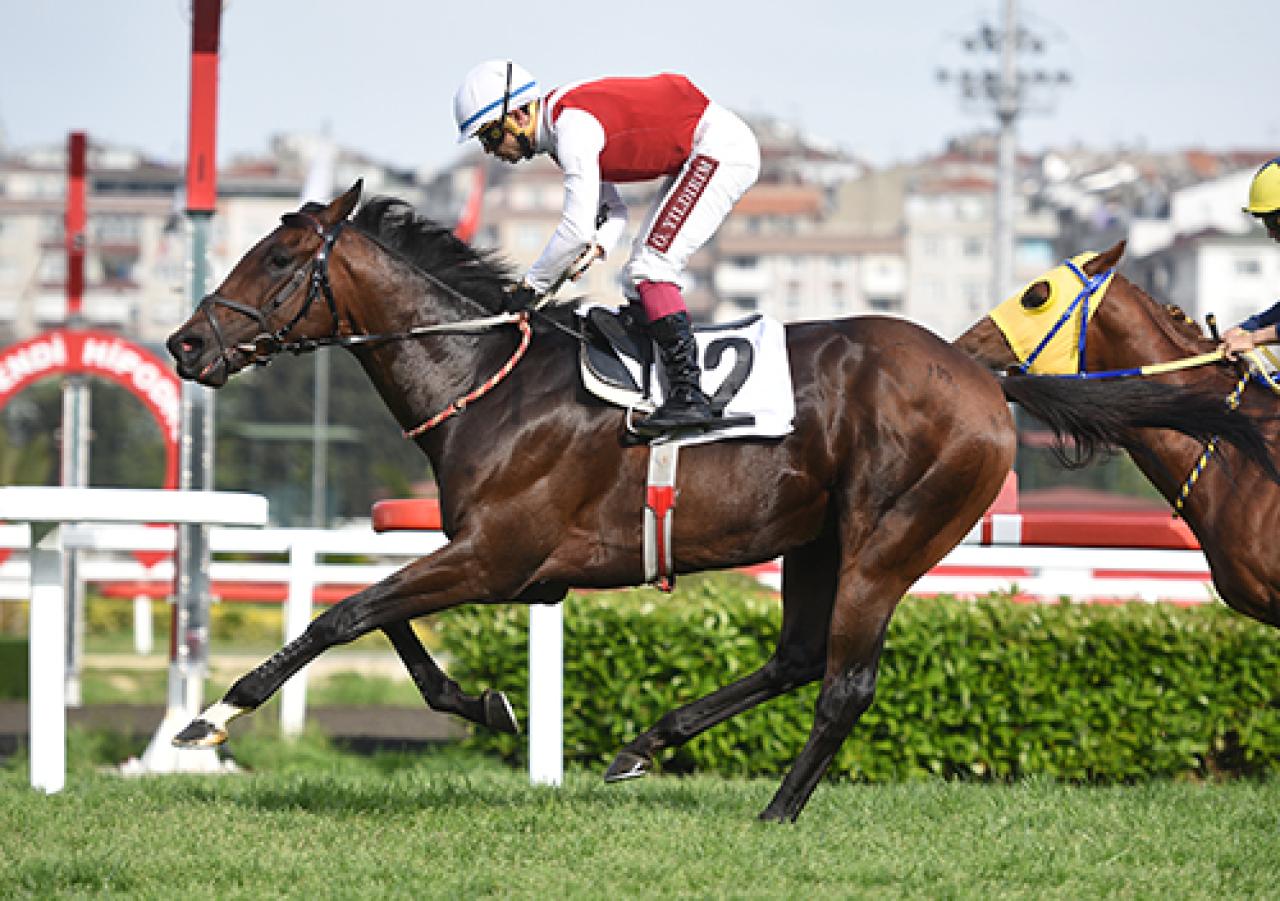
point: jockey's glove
(519, 297)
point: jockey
(1264, 205)
(616, 130)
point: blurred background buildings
(821, 235)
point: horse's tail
(1093, 417)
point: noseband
(268, 343)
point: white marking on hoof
(222, 713)
(210, 728)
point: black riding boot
(685, 405)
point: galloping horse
(900, 442)
(1232, 507)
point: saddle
(617, 362)
(611, 339)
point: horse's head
(1028, 317)
(278, 293)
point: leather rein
(269, 343)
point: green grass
(311, 822)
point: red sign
(142, 373)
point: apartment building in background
(820, 235)
(137, 266)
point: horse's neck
(1135, 331)
(418, 376)
(1139, 332)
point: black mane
(480, 275)
(429, 246)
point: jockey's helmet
(1264, 190)
(491, 89)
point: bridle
(268, 343)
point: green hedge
(13, 668)
(991, 689)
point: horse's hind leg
(491, 708)
(808, 589)
(863, 609)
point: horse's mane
(1171, 319)
(399, 228)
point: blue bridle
(1090, 288)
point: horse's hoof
(200, 734)
(498, 714)
(627, 766)
(778, 813)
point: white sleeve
(615, 217)
(579, 140)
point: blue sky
(379, 75)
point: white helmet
(489, 90)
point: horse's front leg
(442, 580)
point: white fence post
(297, 616)
(47, 662)
(546, 694)
(142, 626)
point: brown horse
(1233, 507)
(900, 442)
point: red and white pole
(189, 634)
(75, 399)
(76, 218)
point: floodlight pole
(1007, 104)
(1006, 92)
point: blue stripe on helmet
(479, 115)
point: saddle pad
(744, 371)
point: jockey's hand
(520, 296)
(1236, 341)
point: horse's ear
(342, 206)
(1105, 260)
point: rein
(267, 343)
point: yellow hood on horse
(1024, 328)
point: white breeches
(724, 163)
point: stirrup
(713, 423)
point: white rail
(1045, 573)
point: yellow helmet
(1264, 190)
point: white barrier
(48, 513)
(1045, 573)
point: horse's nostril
(185, 347)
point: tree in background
(264, 441)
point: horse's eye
(279, 259)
